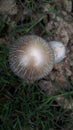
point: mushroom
(59, 50)
(31, 58)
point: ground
(46, 104)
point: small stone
(48, 27)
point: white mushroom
(31, 58)
(59, 50)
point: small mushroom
(31, 58)
(59, 50)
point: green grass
(25, 106)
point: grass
(25, 106)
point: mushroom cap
(59, 50)
(31, 58)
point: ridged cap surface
(31, 58)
